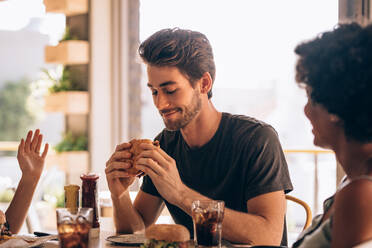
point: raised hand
(29, 158)
(118, 179)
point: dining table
(107, 229)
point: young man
(203, 154)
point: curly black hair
(337, 66)
(189, 51)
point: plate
(26, 241)
(127, 239)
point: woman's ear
(205, 83)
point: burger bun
(135, 150)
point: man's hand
(163, 172)
(29, 158)
(117, 178)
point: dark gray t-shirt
(244, 159)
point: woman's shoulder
(352, 213)
(356, 192)
(359, 188)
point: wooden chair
(305, 206)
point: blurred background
(70, 68)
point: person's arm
(352, 219)
(131, 218)
(31, 164)
(128, 217)
(263, 224)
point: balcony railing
(315, 153)
(8, 146)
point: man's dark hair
(189, 51)
(337, 65)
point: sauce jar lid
(90, 176)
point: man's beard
(188, 114)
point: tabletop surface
(107, 229)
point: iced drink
(207, 218)
(73, 227)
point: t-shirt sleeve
(267, 169)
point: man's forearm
(17, 210)
(126, 217)
(241, 227)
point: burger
(167, 236)
(136, 150)
(4, 232)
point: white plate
(127, 239)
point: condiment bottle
(72, 197)
(89, 197)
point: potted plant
(69, 51)
(67, 7)
(65, 95)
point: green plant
(67, 35)
(71, 142)
(59, 79)
(15, 117)
(61, 82)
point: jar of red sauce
(89, 196)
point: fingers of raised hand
(46, 147)
(28, 141)
(38, 144)
(21, 147)
(35, 140)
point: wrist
(184, 199)
(117, 197)
(29, 180)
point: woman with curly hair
(336, 70)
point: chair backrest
(305, 206)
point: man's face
(177, 101)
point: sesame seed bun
(168, 232)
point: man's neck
(203, 127)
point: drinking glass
(73, 226)
(207, 217)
